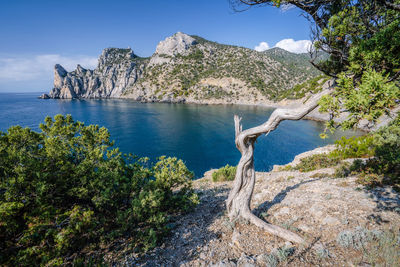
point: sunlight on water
(201, 135)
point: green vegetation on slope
(66, 195)
(311, 86)
(381, 151)
(258, 71)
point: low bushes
(383, 147)
(226, 173)
(387, 148)
(381, 151)
(66, 195)
(315, 162)
(354, 147)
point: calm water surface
(201, 135)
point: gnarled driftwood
(238, 202)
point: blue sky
(37, 34)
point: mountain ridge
(187, 68)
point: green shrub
(384, 168)
(315, 162)
(345, 168)
(382, 147)
(354, 147)
(370, 178)
(387, 149)
(286, 168)
(226, 173)
(66, 193)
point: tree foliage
(362, 32)
(362, 39)
(367, 99)
(66, 193)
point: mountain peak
(175, 44)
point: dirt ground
(343, 223)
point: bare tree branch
(238, 202)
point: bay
(201, 135)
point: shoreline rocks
(44, 96)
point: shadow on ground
(191, 231)
(386, 199)
(264, 207)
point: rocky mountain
(187, 68)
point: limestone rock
(179, 43)
(115, 72)
(59, 74)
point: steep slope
(187, 69)
(297, 64)
(117, 70)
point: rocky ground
(343, 223)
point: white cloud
(300, 46)
(287, 7)
(39, 67)
(262, 47)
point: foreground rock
(335, 216)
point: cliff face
(116, 71)
(185, 69)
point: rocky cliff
(187, 68)
(117, 70)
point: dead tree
(238, 202)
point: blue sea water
(201, 135)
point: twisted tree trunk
(238, 202)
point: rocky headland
(187, 69)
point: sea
(201, 135)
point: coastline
(314, 115)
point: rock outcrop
(115, 71)
(185, 68)
(179, 43)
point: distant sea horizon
(201, 135)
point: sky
(36, 35)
